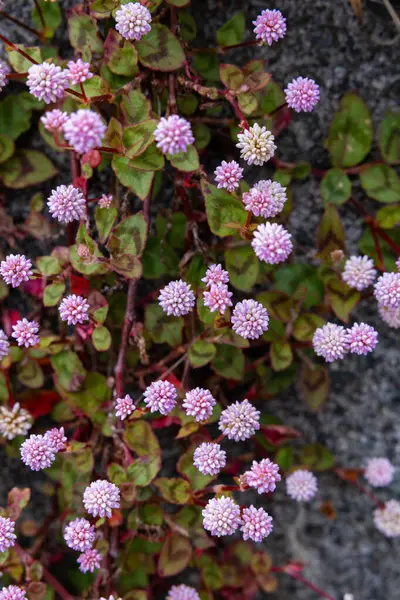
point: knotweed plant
(153, 299)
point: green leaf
(7, 148)
(202, 135)
(187, 26)
(185, 161)
(342, 298)
(129, 236)
(96, 86)
(101, 338)
(30, 374)
(116, 474)
(175, 555)
(285, 458)
(105, 219)
(53, 293)
(222, 209)
(91, 396)
(69, 370)
(27, 167)
(281, 355)
(305, 326)
(335, 187)
(389, 137)
(232, 31)
(140, 438)
(120, 55)
(330, 233)
(272, 97)
(178, 3)
(301, 282)
(381, 183)
(201, 353)
(150, 160)
(279, 305)
(248, 102)
(160, 50)
(388, 216)
(48, 265)
(173, 489)
(101, 9)
(139, 182)
(127, 265)
(135, 107)
(243, 267)
(100, 314)
(14, 120)
(211, 572)
(314, 385)
(206, 65)
(231, 76)
(88, 268)
(137, 138)
(83, 33)
(367, 246)
(161, 327)
(51, 14)
(144, 469)
(18, 62)
(317, 457)
(229, 362)
(351, 132)
(171, 227)
(186, 468)
(158, 259)
(187, 104)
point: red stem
(51, 580)
(40, 13)
(389, 240)
(126, 329)
(240, 45)
(298, 577)
(378, 248)
(238, 112)
(38, 34)
(21, 52)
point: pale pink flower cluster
(4, 71)
(222, 516)
(199, 403)
(7, 535)
(39, 451)
(250, 319)
(4, 345)
(265, 199)
(218, 296)
(133, 20)
(387, 290)
(84, 130)
(270, 26)
(301, 485)
(100, 497)
(333, 342)
(173, 134)
(361, 338)
(160, 396)
(263, 476)
(177, 298)
(66, 204)
(379, 472)
(15, 269)
(209, 458)
(256, 524)
(359, 272)
(256, 145)
(47, 82)
(74, 309)
(387, 519)
(15, 421)
(78, 71)
(105, 201)
(302, 94)
(90, 560)
(182, 592)
(239, 421)
(272, 243)
(12, 592)
(25, 332)
(54, 120)
(391, 316)
(215, 275)
(228, 175)
(124, 406)
(79, 535)
(56, 439)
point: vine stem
(289, 571)
(240, 45)
(51, 580)
(36, 33)
(236, 108)
(40, 13)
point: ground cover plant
(169, 301)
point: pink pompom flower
(221, 516)
(84, 130)
(301, 485)
(359, 272)
(15, 269)
(265, 199)
(331, 342)
(74, 309)
(124, 406)
(105, 201)
(177, 298)
(90, 560)
(25, 331)
(391, 316)
(239, 421)
(182, 592)
(398, 264)
(257, 524)
(173, 134)
(256, 145)
(37, 453)
(215, 275)
(270, 26)
(78, 71)
(133, 20)
(160, 396)
(7, 535)
(4, 71)
(209, 458)
(387, 519)
(302, 94)
(387, 290)
(218, 297)
(15, 421)
(379, 472)
(56, 439)
(79, 535)
(263, 476)
(250, 319)
(361, 338)
(66, 203)
(100, 497)
(199, 403)
(12, 592)
(272, 243)
(47, 82)
(4, 345)
(228, 175)
(54, 120)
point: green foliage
(224, 212)
(335, 187)
(160, 50)
(232, 31)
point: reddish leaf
(79, 285)
(39, 403)
(279, 434)
(165, 422)
(35, 288)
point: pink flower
(90, 560)
(161, 396)
(47, 82)
(182, 592)
(239, 421)
(301, 485)
(221, 516)
(228, 175)
(398, 264)
(4, 345)
(387, 290)
(37, 453)
(56, 439)
(387, 519)
(66, 204)
(173, 135)
(84, 130)
(12, 592)
(256, 145)
(263, 476)
(100, 497)
(15, 269)
(359, 272)
(302, 94)
(199, 403)
(272, 243)
(54, 120)
(215, 275)
(270, 26)
(133, 21)
(266, 199)
(106, 201)
(209, 458)
(124, 407)
(78, 71)
(24, 332)
(177, 298)
(4, 71)
(391, 316)
(331, 342)
(7, 535)
(74, 309)
(257, 524)
(14, 422)
(250, 319)
(79, 535)
(217, 298)
(361, 338)
(379, 472)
